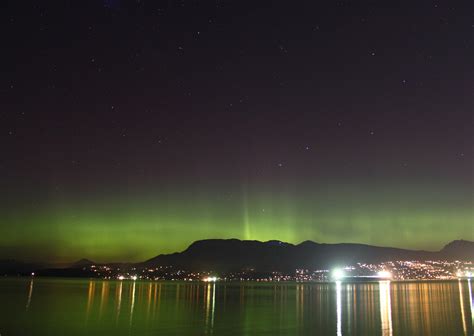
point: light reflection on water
(30, 294)
(471, 303)
(385, 308)
(96, 307)
(466, 324)
(338, 308)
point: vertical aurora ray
(245, 214)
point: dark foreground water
(82, 307)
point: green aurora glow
(136, 228)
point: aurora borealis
(130, 129)
(157, 224)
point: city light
(387, 270)
(384, 274)
(210, 279)
(337, 274)
(465, 274)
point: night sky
(132, 128)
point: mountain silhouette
(226, 255)
(458, 249)
(82, 263)
(234, 254)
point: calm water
(82, 307)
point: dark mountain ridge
(82, 263)
(234, 254)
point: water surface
(95, 307)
